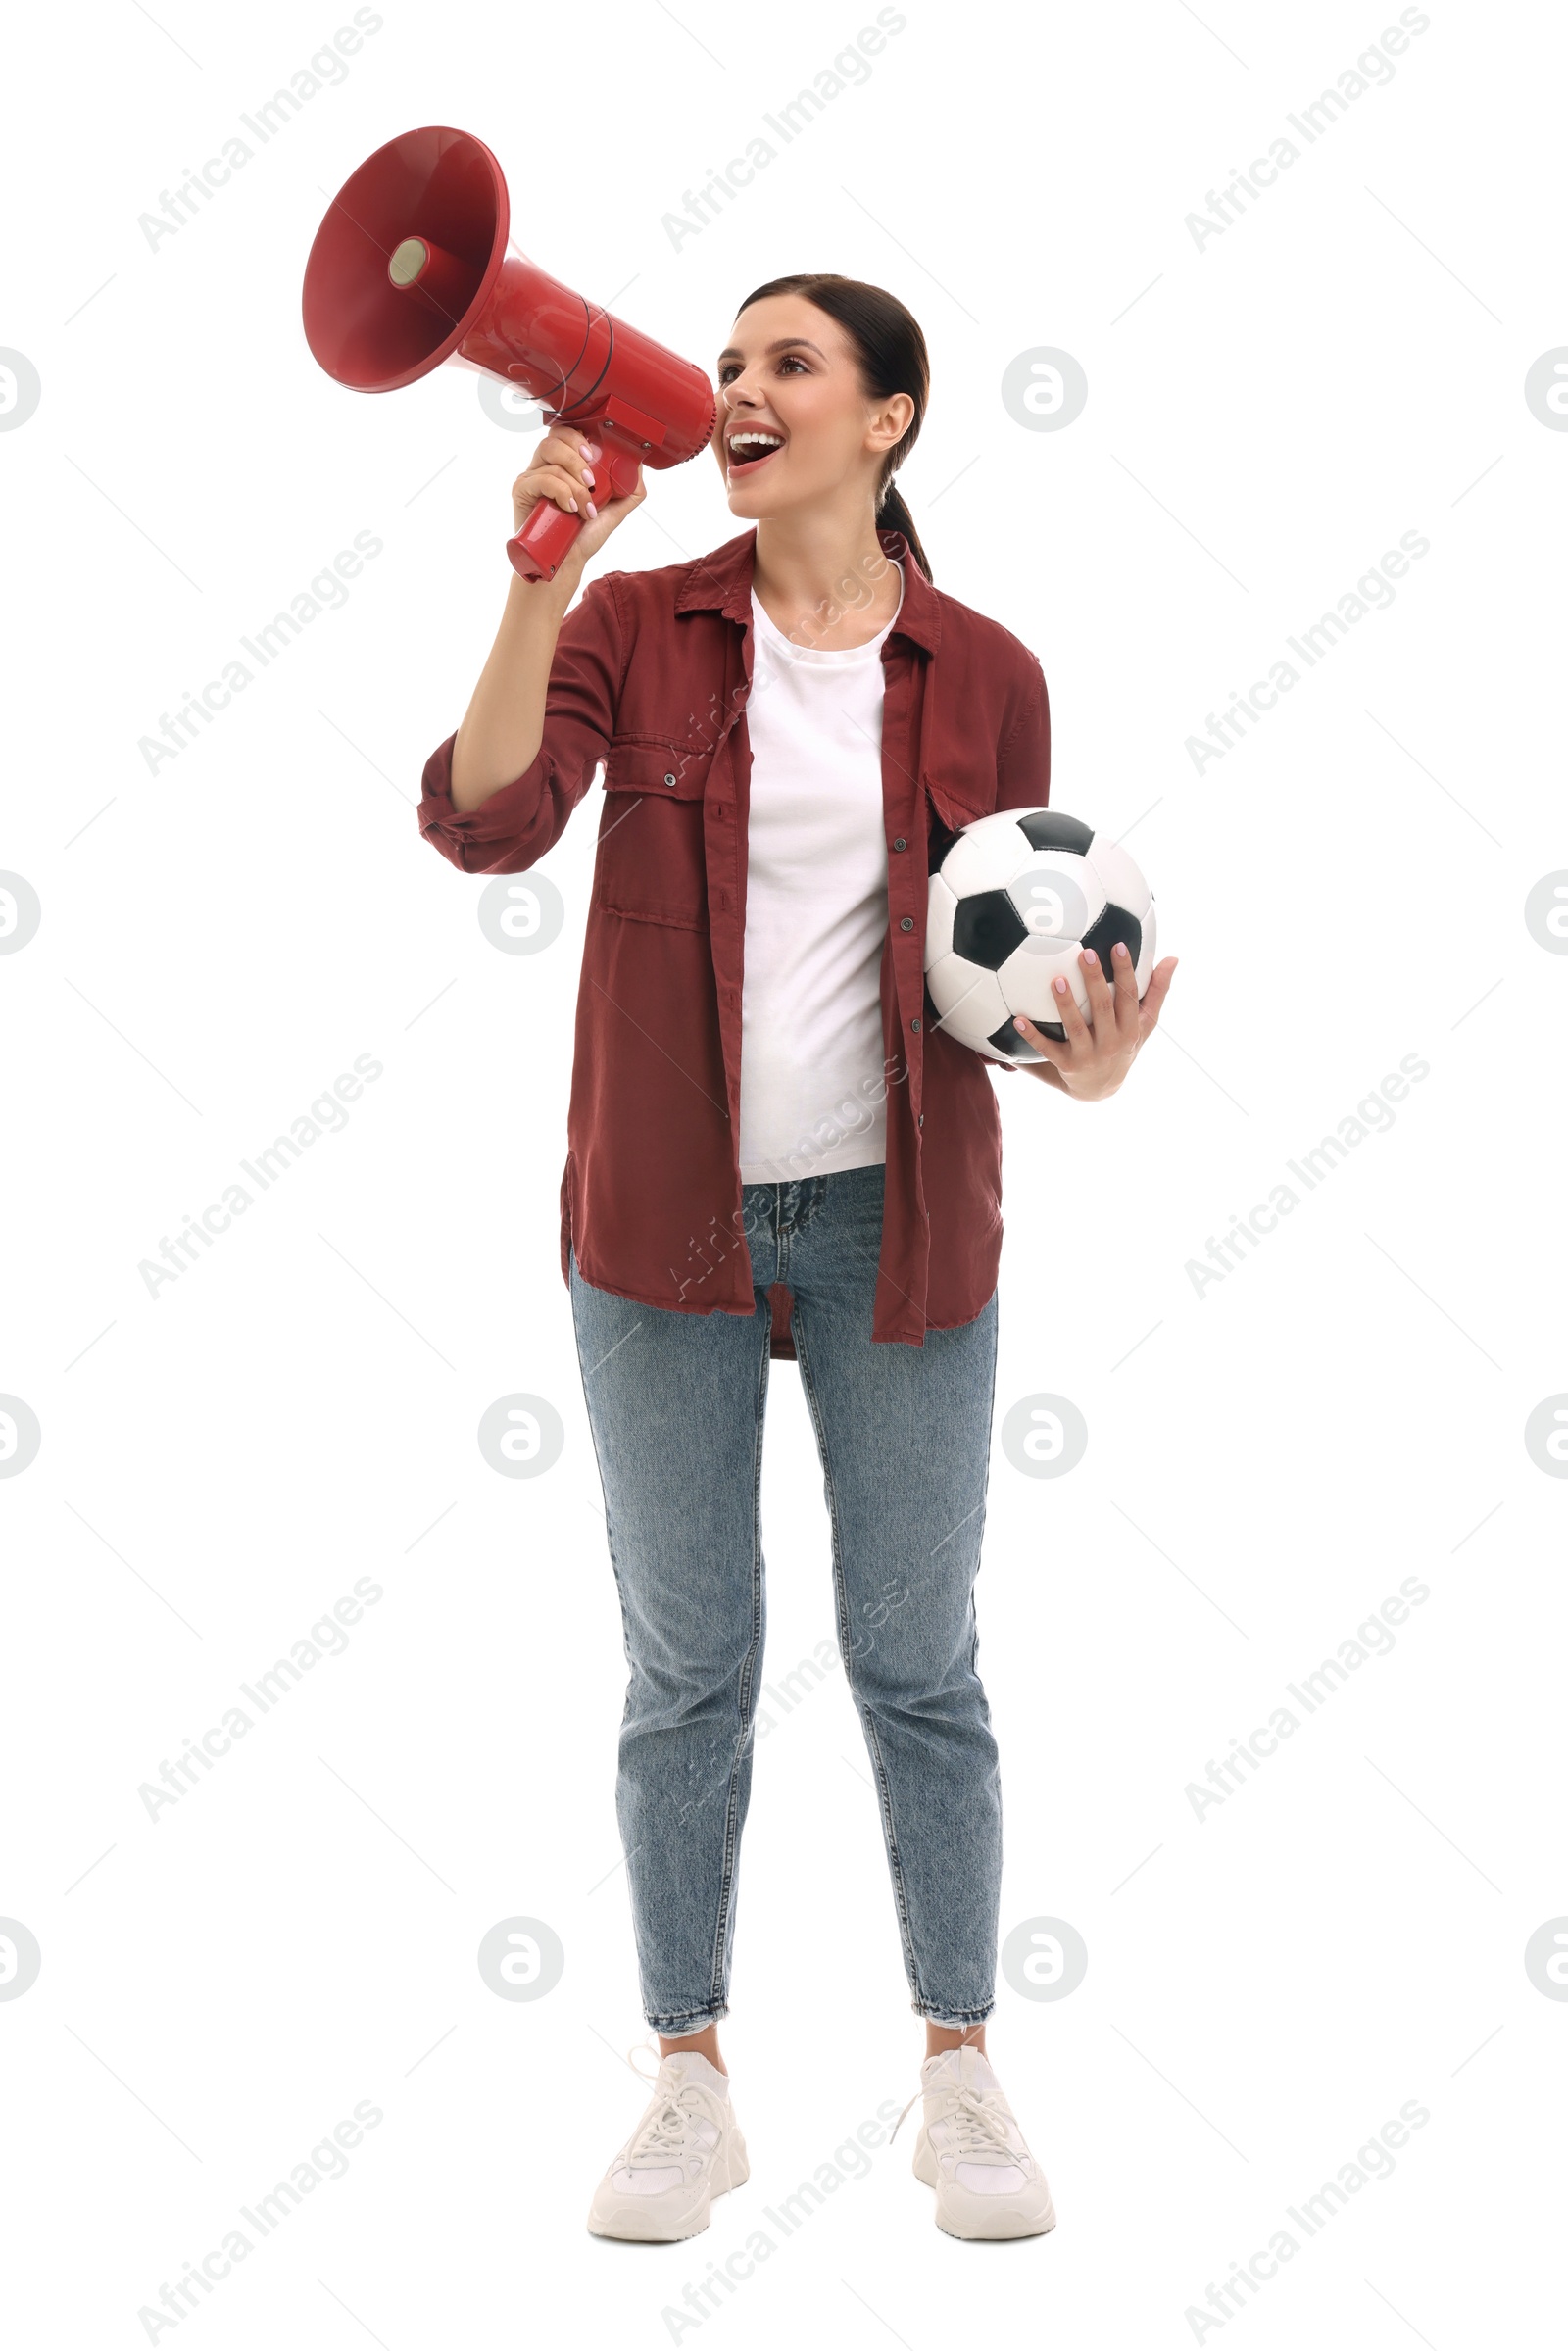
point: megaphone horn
(410, 268)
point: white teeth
(759, 440)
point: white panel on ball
(940, 908)
(986, 856)
(1025, 979)
(1124, 885)
(969, 1000)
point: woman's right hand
(563, 471)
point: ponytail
(894, 514)
(892, 358)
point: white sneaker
(973, 2152)
(686, 2149)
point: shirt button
(900, 845)
(908, 923)
(920, 1121)
(915, 1022)
(670, 779)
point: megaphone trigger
(623, 475)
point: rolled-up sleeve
(522, 822)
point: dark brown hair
(892, 358)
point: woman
(770, 1155)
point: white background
(1266, 1462)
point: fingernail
(575, 506)
(588, 475)
(1090, 957)
(593, 510)
(1061, 987)
(592, 449)
(1119, 950)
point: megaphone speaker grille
(406, 259)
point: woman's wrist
(554, 596)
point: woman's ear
(893, 421)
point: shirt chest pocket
(651, 864)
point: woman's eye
(791, 358)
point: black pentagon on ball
(1006, 1040)
(986, 929)
(1105, 931)
(1044, 828)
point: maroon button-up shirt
(650, 677)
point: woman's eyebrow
(785, 343)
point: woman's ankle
(939, 2038)
(705, 2043)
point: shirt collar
(722, 580)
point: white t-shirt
(813, 1097)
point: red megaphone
(410, 268)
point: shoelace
(666, 2129)
(978, 2121)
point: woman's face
(791, 375)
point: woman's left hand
(1097, 1054)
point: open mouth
(747, 453)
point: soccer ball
(1013, 897)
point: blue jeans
(676, 1403)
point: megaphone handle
(550, 533)
(544, 542)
